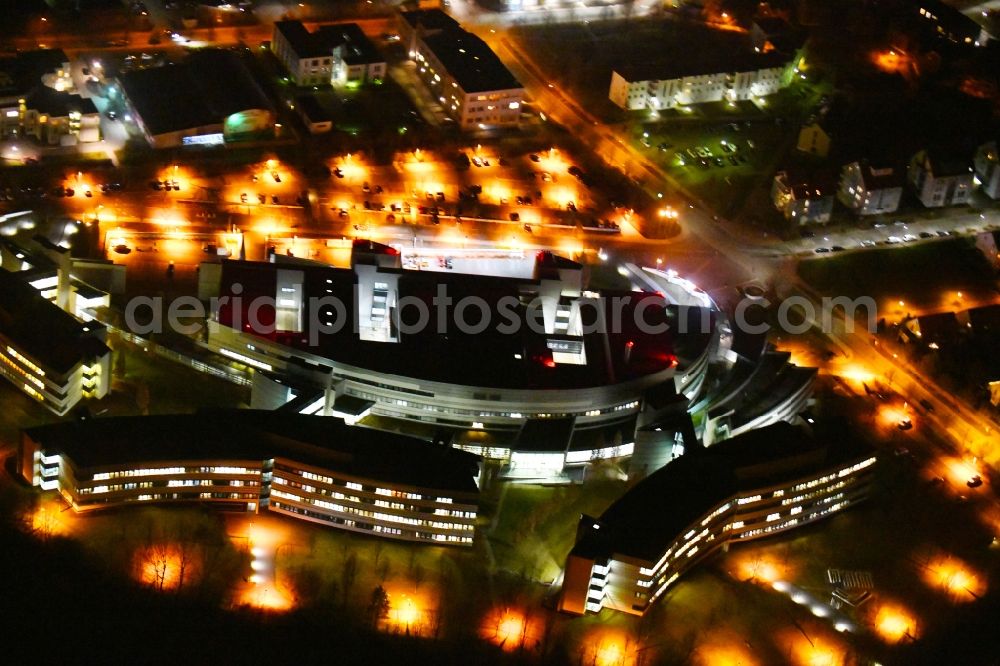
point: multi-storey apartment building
(45, 352)
(940, 180)
(675, 85)
(869, 190)
(305, 467)
(766, 482)
(332, 54)
(462, 72)
(987, 168)
(37, 99)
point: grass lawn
(537, 524)
(172, 388)
(581, 56)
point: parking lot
(476, 183)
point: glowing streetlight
(894, 623)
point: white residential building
(940, 180)
(867, 190)
(987, 169)
(332, 55)
(676, 86)
(462, 72)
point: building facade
(758, 77)
(940, 181)
(771, 481)
(802, 201)
(868, 190)
(37, 99)
(462, 73)
(44, 351)
(337, 54)
(304, 467)
(987, 167)
(545, 398)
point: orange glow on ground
(552, 161)
(815, 650)
(956, 578)
(610, 648)
(959, 471)
(562, 195)
(892, 61)
(893, 623)
(50, 519)
(761, 568)
(410, 612)
(725, 655)
(510, 629)
(164, 567)
(857, 375)
(891, 416)
(266, 597)
(352, 167)
(181, 175)
(405, 615)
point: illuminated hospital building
(545, 400)
(768, 481)
(314, 469)
(46, 352)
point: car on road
(822, 250)
(893, 240)
(943, 233)
(927, 404)
(975, 481)
(868, 243)
(122, 249)
(926, 234)
(899, 223)
(837, 248)
(909, 238)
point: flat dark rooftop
(652, 514)
(714, 61)
(58, 104)
(312, 109)
(255, 435)
(356, 48)
(321, 42)
(205, 89)
(430, 19)
(471, 61)
(300, 39)
(946, 161)
(43, 331)
(21, 73)
(881, 177)
(492, 358)
(545, 435)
